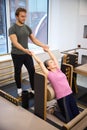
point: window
(3, 32)
(36, 19)
(85, 31)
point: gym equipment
(72, 59)
(10, 98)
(50, 92)
(25, 99)
(82, 70)
(44, 91)
(67, 69)
(78, 123)
(40, 86)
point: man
(19, 34)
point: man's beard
(20, 22)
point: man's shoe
(31, 95)
(19, 91)
(30, 90)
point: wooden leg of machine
(78, 123)
(74, 84)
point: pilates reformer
(10, 98)
(82, 70)
(78, 123)
(44, 91)
(72, 59)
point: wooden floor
(14, 117)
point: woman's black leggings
(68, 108)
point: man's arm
(43, 68)
(37, 42)
(13, 38)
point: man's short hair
(18, 10)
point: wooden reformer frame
(72, 59)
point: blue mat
(12, 90)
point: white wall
(66, 20)
(82, 20)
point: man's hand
(32, 53)
(28, 52)
(45, 47)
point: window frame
(7, 9)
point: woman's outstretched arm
(52, 56)
(43, 68)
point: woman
(63, 92)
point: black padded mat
(39, 86)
